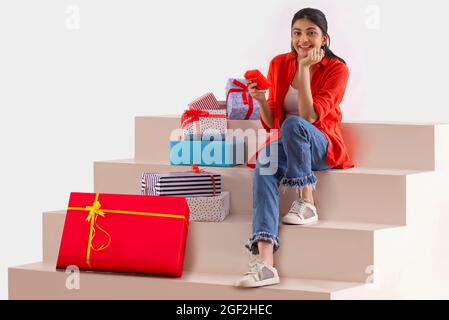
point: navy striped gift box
(182, 184)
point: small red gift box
(125, 233)
(257, 77)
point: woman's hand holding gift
(258, 95)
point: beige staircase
(382, 230)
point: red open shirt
(328, 85)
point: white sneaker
(301, 213)
(259, 275)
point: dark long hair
(317, 17)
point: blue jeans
(301, 149)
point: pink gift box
(205, 102)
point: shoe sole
(263, 283)
(296, 221)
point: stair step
(360, 194)
(42, 281)
(370, 144)
(330, 250)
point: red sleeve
(332, 92)
(271, 93)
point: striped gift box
(182, 184)
(205, 102)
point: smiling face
(305, 36)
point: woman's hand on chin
(314, 56)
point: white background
(73, 74)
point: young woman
(308, 85)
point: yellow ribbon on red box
(95, 211)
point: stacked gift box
(202, 190)
(205, 142)
(205, 124)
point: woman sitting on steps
(307, 86)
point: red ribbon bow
(193, 115)
(246, 97)
(196, 169)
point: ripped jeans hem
(252, 247)
(299, 183)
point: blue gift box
(226, 153)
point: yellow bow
(94, 210)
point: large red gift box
(125, 233)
